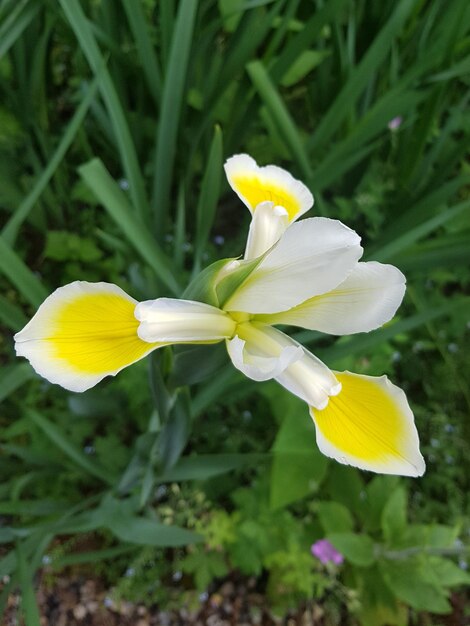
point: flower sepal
(233, 275)
(203, 286)
(216, 284)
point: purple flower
(325, 552)
(395, 123)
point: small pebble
(79, 612)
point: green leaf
(193, 364)
(11, 315)
(32, 507)
(175, 432)
(280, 114)
(402, 242)
(118, 517)
(68, 448)
(446, 573)
(377, 494)
(17, 21)
(305, 63)
(209, 194)
(335, 517)
(410, 581)
(298, 466)
(345, 484)
(145, 46)
(20, 275)
(96, 556)
(394, 516)
(358, 549)
(11, 228)
(61, 245)
(147, 532)
(97, 177)
(360, 76)
(172, 97)
(13, 377)
(308, 36)
(84, 33)
(29, 605)
(204, 466)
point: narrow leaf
(284, 122)
(84, 33)
(10, 230)
(209, 195)
(97, 177)
(175, 78)
(68, 448)
(20, 275)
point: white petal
(311, 258)
(256, 366)
(268, 224)
(310, 380)
(262, 352)
(171, 321)
(81, 333)
(367, 299)
(254, 185)
(370, 425)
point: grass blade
(147, 56)
(13, 377)
(391, 250)
(303, 40)
(360, 76)
(374, 122)
(97, 177)
(84, 34)
(419, 213)
(21, 276)
(209, 195)
(11, 315)
(275, 105)
(10, 230)
(18, 20)
(173, 89)
(28, 598)
(69, 449)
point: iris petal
(81, 333)
(254, 185)
(370, 425)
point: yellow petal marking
(96, 333)
(256, 190)
(362, 420)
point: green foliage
(115, 121)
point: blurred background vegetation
(115, 120)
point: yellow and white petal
(182, 321)
(262, 352)
(254, 185)
(370, 425)
(367, 299)
(267, 226)
(81, 333)
(311, 258)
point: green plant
(311, 86)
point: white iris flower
(304, 273)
